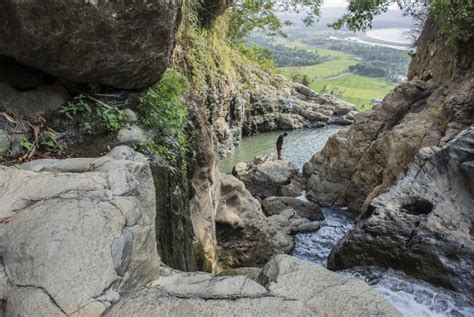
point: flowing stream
(412, 297)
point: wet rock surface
(422, 225)
(305, 209)
(81, 230)
(264, 177)
(104, 42)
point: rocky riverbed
(411, 296)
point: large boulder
(288, 287)
(245, 236)
(124, 45)
(241, 227)
(80, 232)
(275, 205)
(264, 176)
(423, 224)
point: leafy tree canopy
(456, 17)
(248, 15)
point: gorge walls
(406, 166)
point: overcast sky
(343, 4)
(334, 3)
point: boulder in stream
(263, 176)
(305, 209)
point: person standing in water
(279, 144)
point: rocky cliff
(423, 223)
(232, 97)
(361, 162)
(405, 167)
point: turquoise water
(299, 146)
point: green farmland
(355, 89)
(333, 77)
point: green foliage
(162, 111)
(49, 139)
(257, 55)
(106, 117)
(393, 62)
(75, 107)
(26, 144)
(367, 69)
(114, 119)
(288, 56)
(456, 18)
(360, 14)
(3, 146)
(248, 15)
(162, 154)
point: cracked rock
(80, 227)
(290, 287)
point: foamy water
(412, 297)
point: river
(412, 297)
(298, 147)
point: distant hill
(390, 19)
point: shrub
(162, 111)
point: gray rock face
(436, 60)
(81, 231)
(293, 189)
(151, 302)
(275, 205)
(281, 105)
(202, 294)
(327, 292)
(241, 227)
(264, 177)
(308, 227)
(30, 301)
(358, 164)
(423, 224)
(106, 42)
(289, 287)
